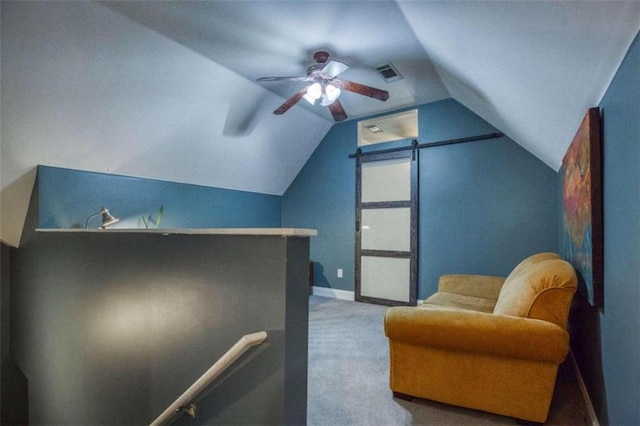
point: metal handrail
(184, 401)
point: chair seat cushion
(446, 300)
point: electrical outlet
(339, 273)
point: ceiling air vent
(388, 72)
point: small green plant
(148, 221)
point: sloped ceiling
(167, 90)
(531, 68)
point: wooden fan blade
(361, 89)
(333, 68)
(337, 111)
(282, 79)
(290, 102)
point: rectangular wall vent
(388, 72)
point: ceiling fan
(324, 86)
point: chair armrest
(478, 332)
(484, 286)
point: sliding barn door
(387, 228)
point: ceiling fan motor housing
(321, 56)
(314, 68)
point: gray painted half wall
(110, 328)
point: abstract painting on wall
(582, 236)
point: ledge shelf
(284, 232)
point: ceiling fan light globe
(309, 99)
(315, 90)
(332, 92)
(326, 101)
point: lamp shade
(107, 218)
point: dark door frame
(412, 255)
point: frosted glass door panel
(385, 278)
(388, 180)
(386, 229)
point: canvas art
(582, 239)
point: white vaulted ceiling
(167, 90)
(529, 68)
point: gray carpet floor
(349, 372)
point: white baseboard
(593, 419)
(334, 293)
(339, 294)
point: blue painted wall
(68, 197)
(322, 197)
(484, 205)
(620, 321)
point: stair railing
(184, 401)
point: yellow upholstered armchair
(487, 343)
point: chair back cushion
(540, 287)
(539, 257)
